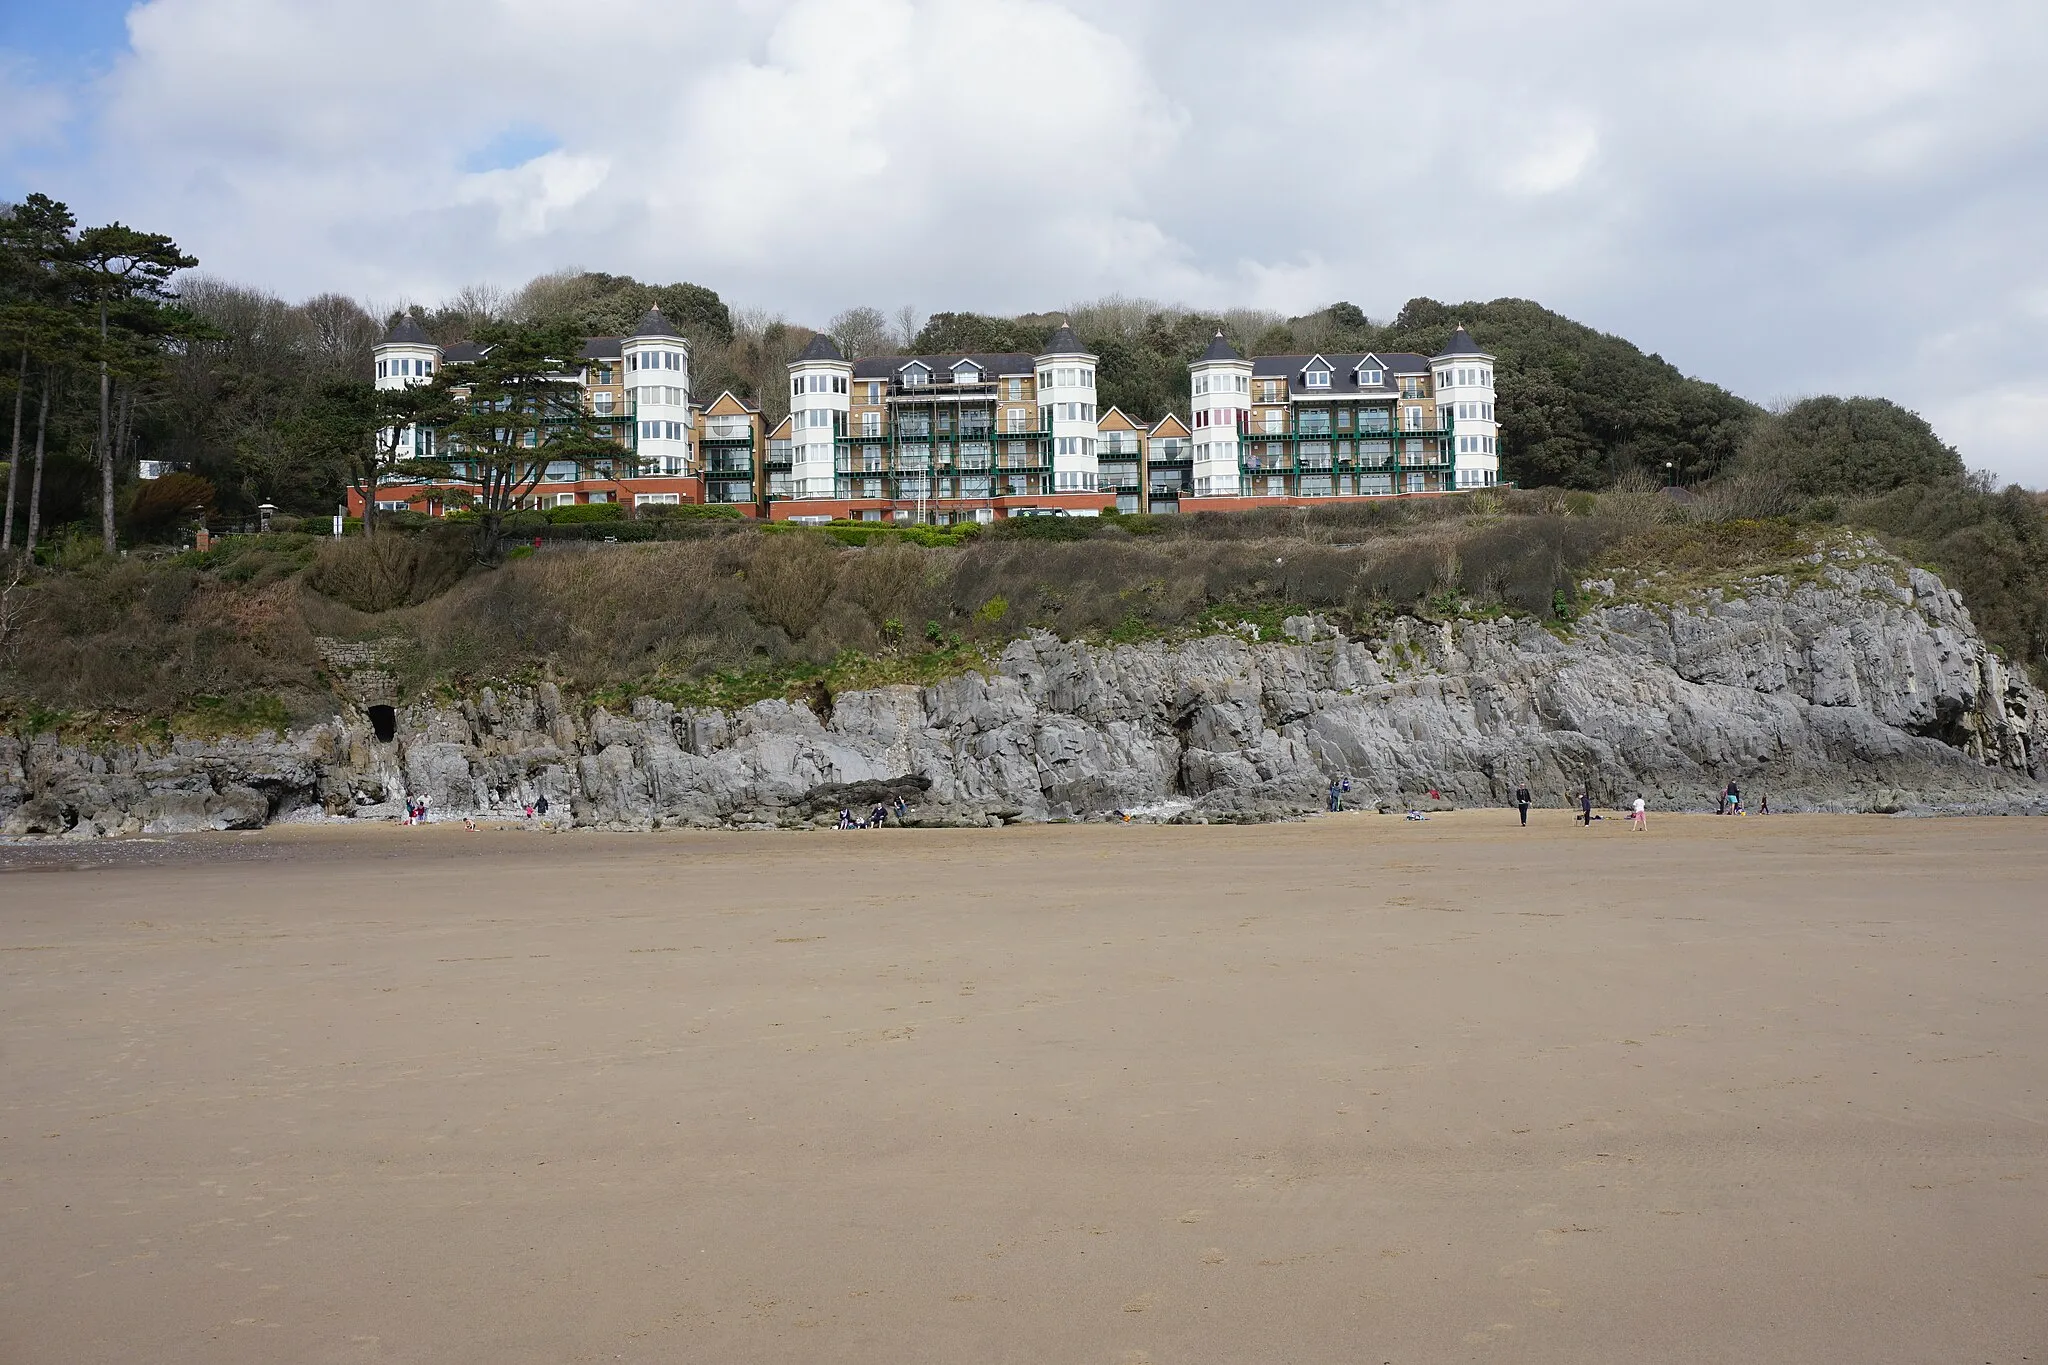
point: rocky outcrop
(1866, 688)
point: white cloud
(534, 194)
(1835, 196)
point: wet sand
(1355, 1090)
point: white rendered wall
(1069, 395)
(820, 398)
(413, 358)
(659, 394)
(1218, 391)
(1464, 385)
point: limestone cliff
(1861, 685)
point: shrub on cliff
(1848, 447)
(374, 574)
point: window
(1369, 379)
(382, 369)
(874, 393)
(1315, 379)
(916, 376)
(1412, 419)
(1016, 390)
(604, 374)
(601, 404)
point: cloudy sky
(1785, 199)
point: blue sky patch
(513, 146)
(64, 40)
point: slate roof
(1343, 371)
(822, 347)
(1461, 343)
(655, 325)
(1064, 342)
(1219, 349)
(464, 351)
(407, 332)
(1000, 364)
(600, 348)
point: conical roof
(407, 332)
(1063, 342)
(1219, 349)
(822, 347)
(655, 325)
(1461, 343)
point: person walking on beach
(1639, 817)
(1522, 800)
(1586, 806)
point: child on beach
(1639, 817)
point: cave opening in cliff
(384, 721)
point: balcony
(983, 391)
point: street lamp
(1670, 474)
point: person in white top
(1640, 818)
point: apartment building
(1307, 427)
(637, 387)
(940, 438)
(947, 438)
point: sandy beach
(1355, 1089)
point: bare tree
(478, 305)
(861, 331)
(13, 602)
(909, 322)
(341, 335)
(1118, 316)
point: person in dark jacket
(1586, 807)
(1522, 800)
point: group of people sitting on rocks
(875, 818)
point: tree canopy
(1849, 447)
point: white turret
(1464, 401)
(820, 397)
(1220, 393)
(1066, 408)
(657, 362)
(407, 356)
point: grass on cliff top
(730, 618)
(1672, 564)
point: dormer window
(1370, 379)
(1315, 379)
(966, 374)
(916, 376)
